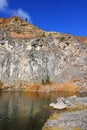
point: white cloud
(21, 13)
(3, 5)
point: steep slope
(31, 55)
(16, 27)
(82, 39)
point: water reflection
(24, 110)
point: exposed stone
(74, 117)
(69, 102)
(59, 105)
(68, 121)
(31, 57)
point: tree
(26, 19)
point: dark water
(25, 111)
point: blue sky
(51, 15)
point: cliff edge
(31, 55)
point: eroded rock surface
(69, 102)
(70, 120)
(74, 117)
(35, 58)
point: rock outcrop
(70, 120)
(32, 55)
(73, 118)
(69, 103)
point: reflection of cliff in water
(25, 111)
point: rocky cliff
(30, 54)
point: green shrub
(43, 34)
(18, 31)
(1, 84)
(46, 81)
(62, 39)
(43, 81)
(50, 35)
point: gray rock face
(72, 119)
(34, 59)
(69, 120)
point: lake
(26, 111)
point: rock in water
(59, 105)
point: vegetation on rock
(30, 54)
